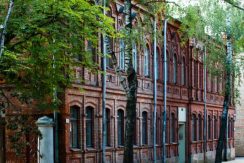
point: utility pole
(155, 92)
(165, 92)
(104, 65)
(205, 106)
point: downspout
(205, 107)
(165, 91)
(104, 65)
(55, 119)
(155, 94)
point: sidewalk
(237, 160)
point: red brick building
(239, 127)
(80, 123)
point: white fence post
(45, 145)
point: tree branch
(234, 4)
(4, 26)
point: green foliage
(45, 40)
(23, 132)
(206, 21)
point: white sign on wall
(181, 114)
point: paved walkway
(237, 160)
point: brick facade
(239, 126)
(186, 92)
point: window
(107, 127)
(167, 67)
(195, 74)
(74, 127)
(215, 125)
(144, 127)
(200, 127)
(157, 65)
(92, 50)
(172, 128)
(194, 127)
(212, 83)
(183, 71)
(146, 62)
(122, 54)
(209, 127)
(89, 127)
(135, 134)
(157, 129)
(201, 76)
(109, 51)
(134, 53)
(174, 69)
(220, 121)
(167, 131)
(120, 127)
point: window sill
(75, 149)
(173, 143)
(90, 149)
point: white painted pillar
(45, 145)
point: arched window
(144, 127)
(89, 127)
(174, 69)
(120, 127)
(215, 127)
(157, 129)
(196, 74)
(146, 62)
(209, 127)
(172, 128)
(194, 127)
(135, 134)
(200, 128)
(167, 66)
(74, 127)
(134, 53)
(108, 127)
(183, 71)
(121, 54)
(157, 64)
(108, 51)
(92, 50)
(167, 131)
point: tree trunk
(130, 115)
(131, 91)
(4, 27)
(224, 118)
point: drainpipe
(165, 91)
(205, 108)
(104, 93)
(155, 94)
(55, 119)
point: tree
(43, 42)
(207, 22)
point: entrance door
(182, 143)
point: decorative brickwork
(239, 124)
(185, 90)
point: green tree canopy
(45, 39)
